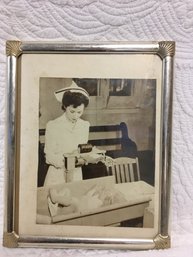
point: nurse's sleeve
(52, 155)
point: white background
(92, 20)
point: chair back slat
(131, 172)
(118, 174)
(122, 173)
(127, 175)
(111, 171)
(137, 167)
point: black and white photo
(80, 144)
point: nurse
(64, 134)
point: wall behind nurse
(50, 108)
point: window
(90, 85)
(120, 87)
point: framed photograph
(88, 155)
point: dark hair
(75, 99)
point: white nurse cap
(74, 88)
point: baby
(61, 202)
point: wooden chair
(125, 170)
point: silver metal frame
(165, 50)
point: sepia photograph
(96, 152)
(89, 145)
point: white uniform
(63, 136)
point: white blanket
(88, 20)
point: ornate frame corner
(13, 48)
(162, 242)
(166, 48)
(10, 239)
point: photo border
(14, 49)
